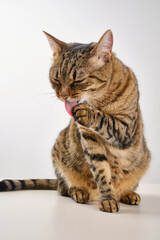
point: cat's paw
(78, 195)
(131, 198)
(81, 114)
(110, 205)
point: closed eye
(56, 80)
(56, 83)
(77, 82)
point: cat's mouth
(70, 105)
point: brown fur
(103, 149)
(102, 154)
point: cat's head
(74, 73)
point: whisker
(52, 93)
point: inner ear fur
(101, 52)
(56, 45)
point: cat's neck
(117, 77)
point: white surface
(44, 215)
(30, 120)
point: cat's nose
(64, 92)
(65, 96)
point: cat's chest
(120, 158)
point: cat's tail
(28, 184)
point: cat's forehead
(71, 59)
(78, 48)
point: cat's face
(72, 74)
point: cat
(102, 154)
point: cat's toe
(79, 195)
(109, 206)
(131, 198)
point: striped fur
(102, 154)
(27, 184)
(103, 151)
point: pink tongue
(69, 106)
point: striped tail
(15, 184)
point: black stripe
(23, 184)
(114, 177)
(126, 143)
(98, 114)
(116, 162)
(103, 206)
(108, 130)
(121, 92)
(110, 206)
(74, 74)
(113, 125)
(101, 171)
(78, 135)
(129, 200)
(102, 178)
(57, 74)
(127, 133)
(76, 197)
(108, 190)
(101, 123)
(3, 186)
(97, 178)
(98, 156)
(125, 171)
(97, 78)
(60, 68)
(12, 184)
(103, 182)
(86, 137)
(73, 65)
(123, 123)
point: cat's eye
(77, 82)
(56, 81)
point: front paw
(78, 195)
(110, 205)
(81, 114)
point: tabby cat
(102, 154)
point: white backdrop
(30, 116)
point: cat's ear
(55, 44)
(101, 52)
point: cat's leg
(74, 178)
(79, 195)
(102, 174)
(131, 198)
(96, 156)
(62, 187)
(117, 132)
